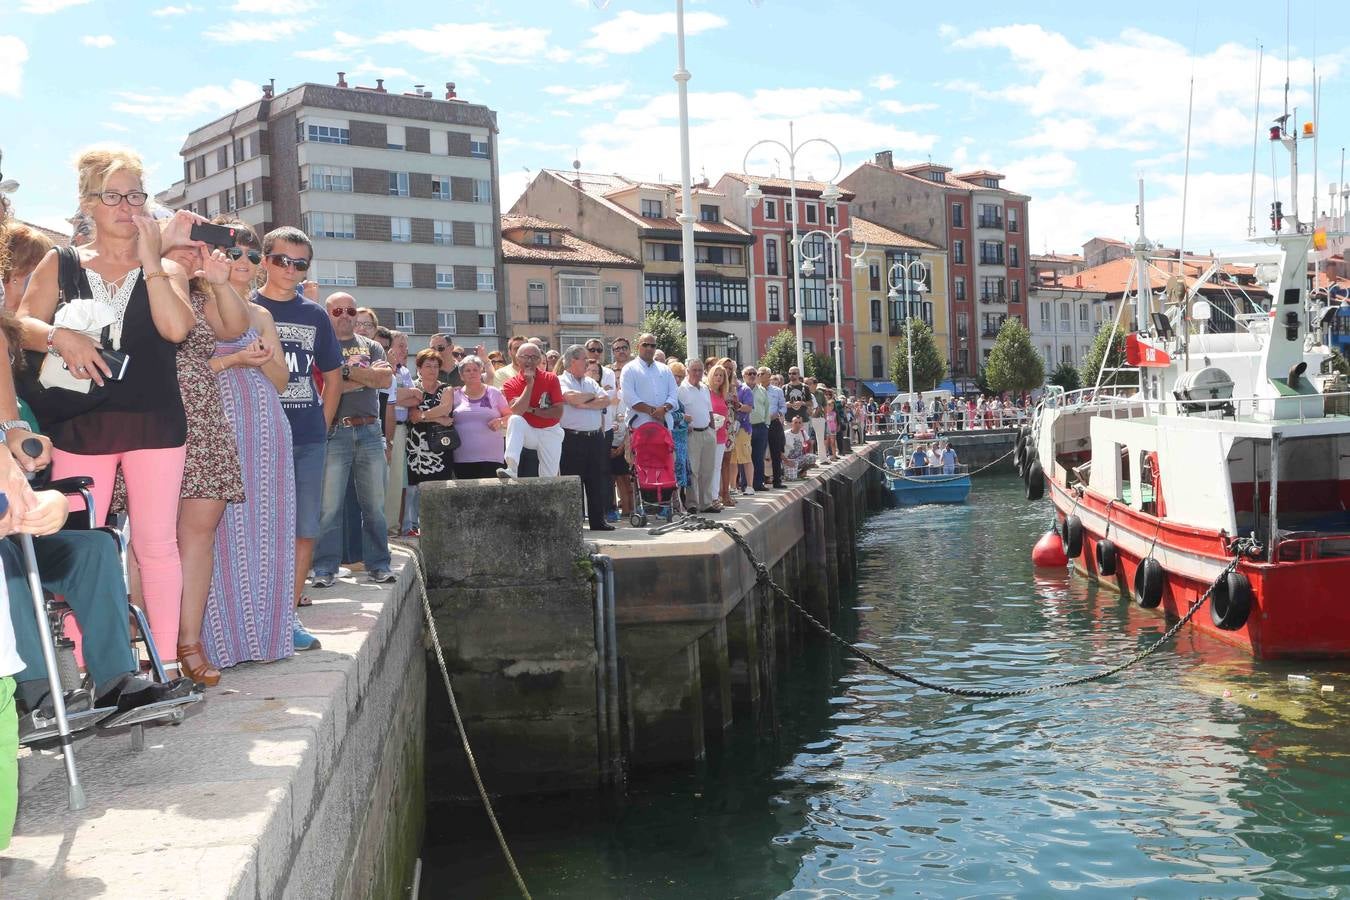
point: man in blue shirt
(309, 343)
(777, 412)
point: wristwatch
(7, 427)
(346, 373)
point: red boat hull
(1299, 608)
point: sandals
(192, 662)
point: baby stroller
(654, 468)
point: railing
(538, 315)
(613, 315)
(1305, 548)
(947, 421)
(1125, 398)
(990, 221)
(993, 298)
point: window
(1012, 218)
(240, 149)
(992, 290)
(811, 214)
(991, 253)
(1083, 319)
(1016, 296)
(326, 134)
(440, 187)
(329, 178)
(664, 252)
(990, 216)
(959, 287)
(720, 298)
(332, 225)
(445, 320)
(771, 210)
(482, 190)
(223, 158)
(335, 273)
(1066, 354)
(962, 325)
(478, 149)
(662, 292)
(487, 323)
(441, 233)
(808, 346)
(536, 297)
(708, 212)
(403, 319)
(487, 278)
(400, 229)
(403, 275)
(991, 182)
(876, 314)
(1045, 313)
(248, 195)
(229, 200)
(878, 363)
(578, 298)
(651, 209)
(445, 278)
(398, 184)
(936, 177)
(613, 305)
(959, 252)
(958, 216)
(770, 256)
(719, 256)
(1014, 259)
(874, 276)
(482, 234)
(542, 238)
(1064, 313)
(396, 137)
(775, 304)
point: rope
(698, 523)
(459, 722)
(893, 474)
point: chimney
(885, 159)
(421, 89)
(342, 79)
(268, 89)
(379, 86)
(449, 90)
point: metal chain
(698, 523)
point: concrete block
(743, 652)
(525, 690)
(552, 620)
(666, 710)
(715, 675)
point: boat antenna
(1186, 176)
(1256, 139)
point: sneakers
(383, 576)
(324, 581)
(505, 474)
(413, 532)
(302, 639)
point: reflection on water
(1200, 773)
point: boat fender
(1148, 583)
(890, 462)
(1035, 480)
(1230, 603)
(1106, 558)
(1049, 551)
(1071, 533)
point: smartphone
(117, 361)
(215, 235)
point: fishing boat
(1223, 471)
(917, 485)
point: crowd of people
(947, 413)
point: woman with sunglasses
(139, 426)
(249, 613)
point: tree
(819, 366)
(781, 353)
(1092, 362)
(1336, 363)
(1066, 376)
(669, 333)
(929, 367)
(1014, 365)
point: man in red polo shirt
(536, 400)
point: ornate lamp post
(834, 243)
(906, 273)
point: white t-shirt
(10, 663)
(575, 418)
(696, 402)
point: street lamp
(907, 272)
(830, 195)
(834, 241)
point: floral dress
(423, 462)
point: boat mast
(1143, 286)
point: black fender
(1071, 536)
(1230, 602)
(1106, 558)
(1035, 480)
(1148, 583)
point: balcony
(990, 222)
(538, 315)
(989, 333)
(993, 298)
(613, 315)
(991, 259)
(897, 329)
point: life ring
(1230, 602)
(1071, 536)
(1148, 583)
(1106, 558)
(1035, 480)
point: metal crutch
(75, 794)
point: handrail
(1107, 397)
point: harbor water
(1199, 773)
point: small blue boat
(915, 487)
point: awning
(881, 388)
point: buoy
(1049, 551)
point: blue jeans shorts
(309, 463)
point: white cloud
(883, 82)
(45, 7)
(633, 32)
(197, 104)
(324, 54)
(173, 10)
(513, 184)
(13, 55)
(895, 107)
(269, 7)
(599, 94)
(465, 44)
(245, 32)
(1051, 170)
(101, 41)
(113, 126)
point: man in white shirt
(696, 401)
(648, 387)
(585, 452)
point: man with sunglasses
(307, 340)
(648, 387)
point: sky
(1073, 102)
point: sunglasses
(646, 344)
(254, 256)
(340, 311)
(440, 348)
(595, 349)
(458, 354)
(286, 262)
(620, 347)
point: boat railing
(1126, 400)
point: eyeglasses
(112, 198)
(440, 348)
(340, 311)
(620, 348)
(254, 256)
(286, 262)
(646, 344)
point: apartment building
(398, 191)
(982, 226)
(565, 289)
(1063, 321)
(774, 275)
(637, 219)
(881, 318)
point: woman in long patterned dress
(249, 610)
(426, 460)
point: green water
(1199, 774)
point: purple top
(478, 442)
(746, 396)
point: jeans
(759, 445)
(412, 507)
(355, 452)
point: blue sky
(1072, 101)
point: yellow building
(879, 319)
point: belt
(704, 428)
(355, 421)
(579, 433)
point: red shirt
(547, 392)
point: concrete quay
(300, 778)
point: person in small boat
(949, 460)
(918, 464)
